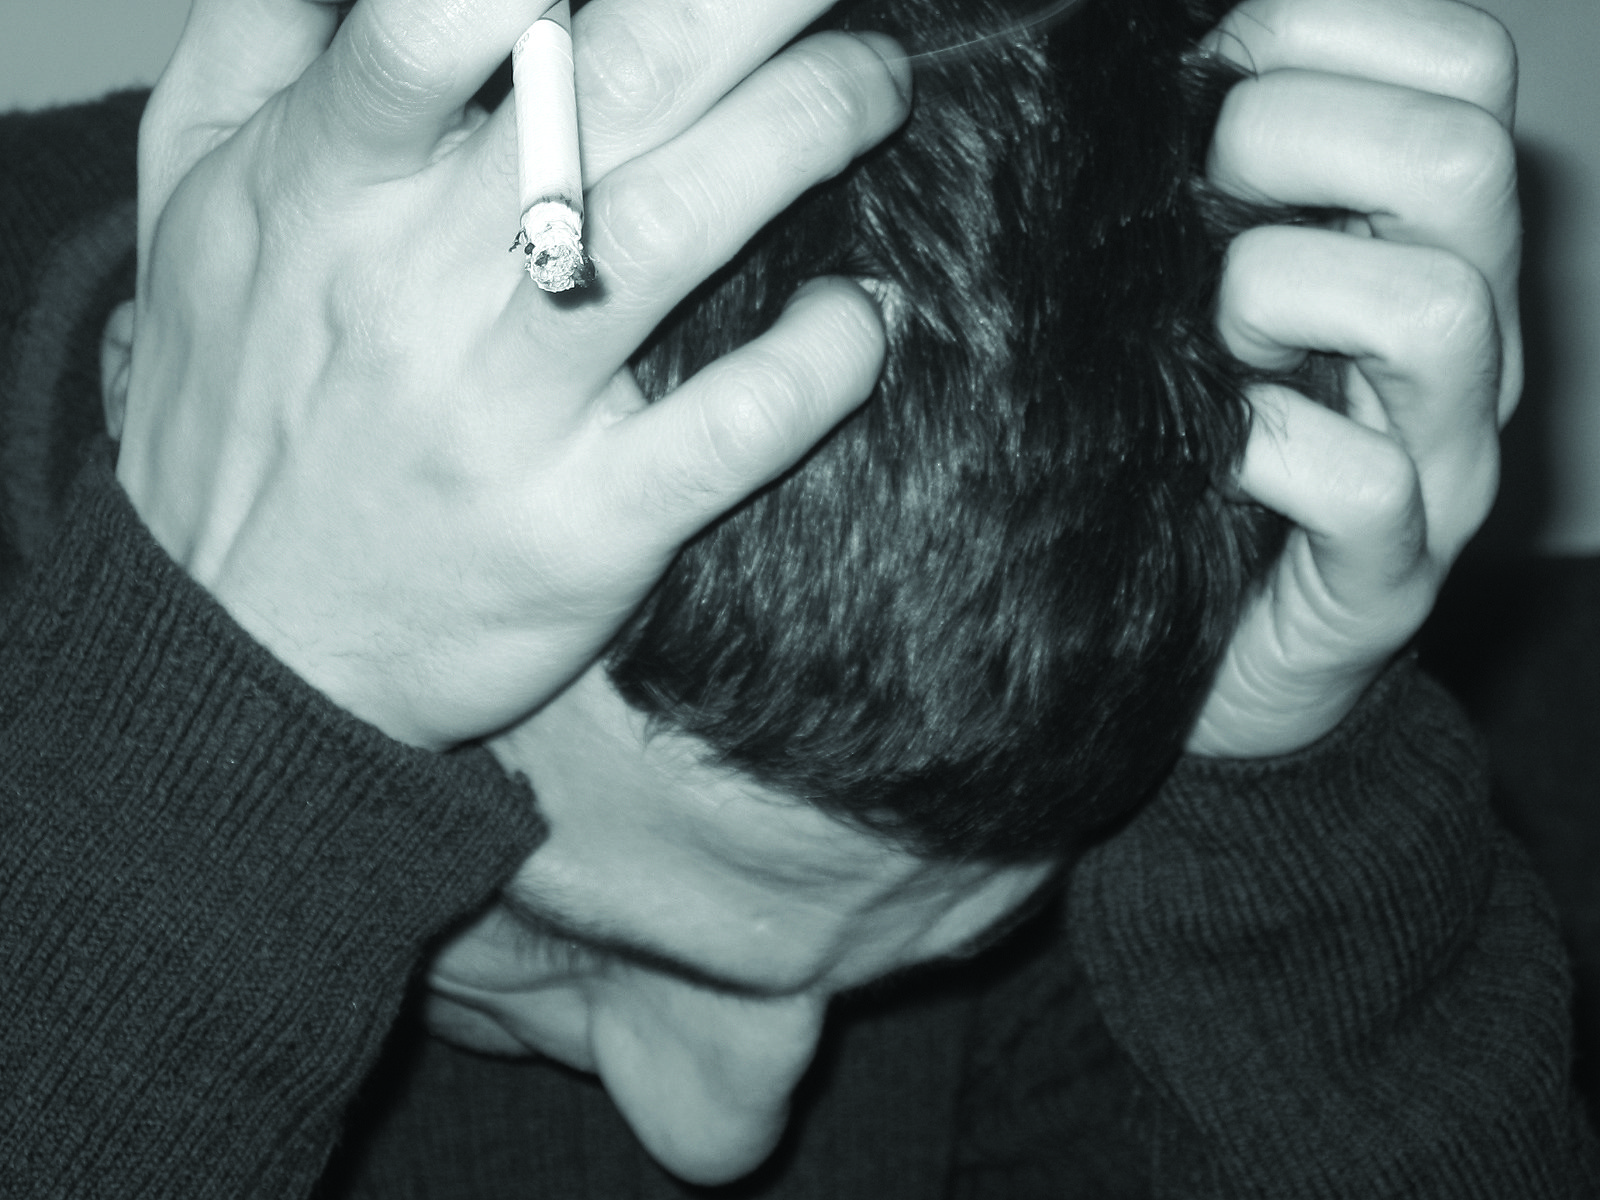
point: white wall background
(53, 51)
(1559, 130)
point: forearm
(1334, 975)
(215, 884)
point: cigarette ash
(555, 258)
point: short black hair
(981, 617)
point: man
(448, 625)
(906, 634)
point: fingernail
(886, 48)
(807, 288)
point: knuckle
(1468, 158)
(1233, 118)
(746, 424)
(737, 433)
(1381, 485)
(837, 85)
(1250, 103)
(1261, 267)
(1449, 306)
(655, 221)
(389, 71)
(1489, 61)
(1247, 135)
(1247, 272)
(714, 456)
(620, 74)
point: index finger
(1437, 46)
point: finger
(234, 54)
(646, 71)
(662, 74)
(1418, 324)
(232, 57)
(659, 226)
(398, 75)
(748, 417)
(1436, 46)
(1353, 493)
(664, 222)
(1353, 582)
(1425, 169)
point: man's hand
(1398, 111)
(429, 488)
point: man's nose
(703, 1077)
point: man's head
(869, 714)
(981, 617)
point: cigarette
(548, 168)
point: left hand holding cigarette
(1400, 113)
(429, 488)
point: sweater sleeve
(1334, 977)
(215, 885)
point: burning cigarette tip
(556, 260)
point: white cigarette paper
(548, 168)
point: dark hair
(981, 617)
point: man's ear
(116, 357)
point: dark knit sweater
(1327, 975)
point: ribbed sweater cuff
(1334, 968)
(215, 883)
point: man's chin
(704, 1154)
